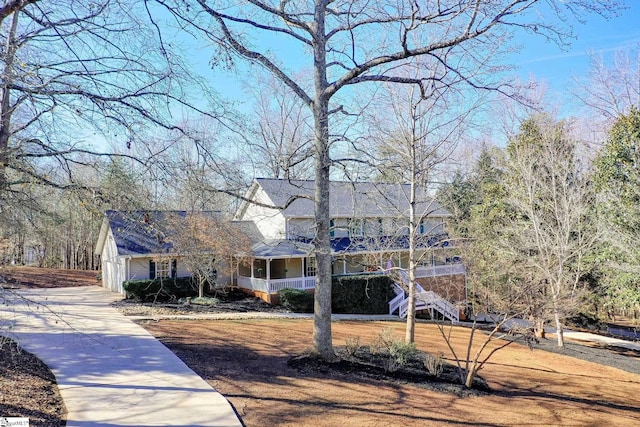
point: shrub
(401, 352)
(382, 343)
(296, 300)
(396, 352)
(434, 364)
(352, 345)
(199, 301)
(363, 294)
(160, 289)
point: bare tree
(414, 134)
(552, 196)
(77, 77)
(611, 89)
(348, 43)
(208, 245)
(282, 135)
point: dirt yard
(20, 277)
(247, 362)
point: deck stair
(425, 300)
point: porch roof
(344, 245)
(281, 249)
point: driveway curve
(110, 371)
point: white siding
(113, 266)
(301, 227)
(270, 222)
(139, 268)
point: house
(133, 245)
(136, 245)
(369, 232)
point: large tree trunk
(5, 100)
(322, 340)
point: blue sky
(548, 63)
(543, 60)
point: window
(356, 227)
(332, 228)
(311, 267)
(162, 269)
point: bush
(160, 289)
(296, 300)
(199, 301)
(434, 364)
(397, 352)
(352, 345)
(363, 294)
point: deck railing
(440, 270)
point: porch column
(268, 269)
(253, 261)
(344, 266)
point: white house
(369, 232)
(132, 245)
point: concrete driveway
(110, 371)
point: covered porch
(277, 265)
(287, 264)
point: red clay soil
(22, 277)
(247, 362)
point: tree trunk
(538, 328)
(411, 309)
(322, 340)
(559, 327)
(5, 100)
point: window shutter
(174, 268)
(152, 270)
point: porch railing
(272, 286)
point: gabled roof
(138, 232)
(348, 199)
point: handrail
(424, 300)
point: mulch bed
(365, 364)
(28, 388)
